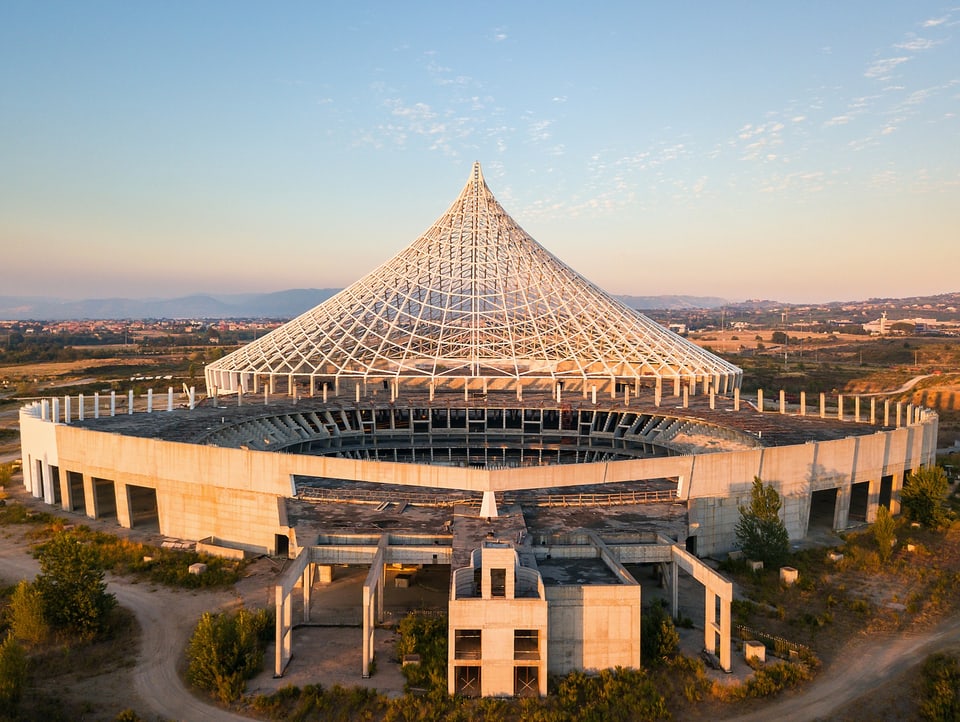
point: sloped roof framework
(477, 297)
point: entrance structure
(475, 302)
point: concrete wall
(593, 627)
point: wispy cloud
(933, 22)
(916, 45)
(884, 67)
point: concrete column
(873, 410)
(803, 403)
(626, 395)
(658, 392)
(466, 389)
(686, 397)
(266, 400)
(284, 613)
(899, 413)
(150, 400)
(312, 385)
(325, 392)
(484, 386)
(45, 410)
(736, 399)
(841, 510)
(66, 500)
(122, 493)
(273, 384)
(593, 395)
(90, 497)
(96, 405)
(130, 401)
(66, 410)
(783, 401)
(709, 620)
(55, 410)
(908, 418)
(873, 500)
(519, 391)
(193, 397)
(675, 589)
(307, 581)
(356, 392)
(676, 385)
(760, 400)
(429, 387)
(856, 409)
(170, 398)
(80, 401)
(45, 490)
(823, 405)
(713, 399)
(839, 407)
(724, 635)
(886, 412)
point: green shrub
(761, 533)
(13, 674)
(659, 638)
(938, 689)
(226, 650)
(427, 637)
(25, 614)
(923, 496)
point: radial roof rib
(474, 297)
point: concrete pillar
(325, 392)
(841, 510)
(307, 580)
(96, 405)
(886, 412)
(170, 398)
(284, 612)
(626, 395)
(713, 399)
(488, 507)
(676, 385)
(593, 395)
(783, 401)
(484, 386)
(519, 391)
(45, 489)
(273, 384)
(150, 400)
(130, 401)
(675, 589)
(760, 400)
(55, 410)
(873, 410)
(899, 412)
(873, 500)
(122, 493)
(312, 386)
(658, 392)
(839, 407)
(45, 410)
(709, 620)
(192, 395)
(725, 635)
(823, 405)
(91, 508)
(736, 399)
(856, 409)
(686, 397)
(356, 392)
(429, 386)
(66, 410)
(803, 403)
(80, 401)
(325, 573)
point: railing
(781, 647)
(620, 498)
(371, 496)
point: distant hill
(673, 303)
(282, 304)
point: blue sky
(794, 151)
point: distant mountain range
(288, 304)
(280, 305)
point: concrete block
(198, 568)
(735, 555)
(754, 650)
(788, 575)
(911, 547)
(835, 556)
(754, 566)
(325, 573)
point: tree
(71, 585)
(659, 638)
(761, 533)
(226, 650)
(883, 528)
(923, 496)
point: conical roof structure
(474, 297)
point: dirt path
(867, 667)
(167, 618)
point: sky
(800, 152)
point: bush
(13, 674)
(226, 650)
(883, 529)
(25, 614)
(426, 636)
(659, 639)
(938, 689)
(923, 496)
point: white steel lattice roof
(476, 297)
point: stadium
(475, 404)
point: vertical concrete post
(429, 387)
(803, 403)
(713, 400)
(886, 412)
(658, 394)
(96, 405)
(55, 410)
(839, 407)
(325, 392)
(873, 410)
(760, 400)
(675, 589)
(899, 412)
(265, 396)
(709, 620)
(823, 405)
(356, 392)
(150, 400)
(122, 493)
(593, 395)
(676, 385)
(686, 397)
(90, 505)
(193, 397)
(273, 384)
(466, 389)
(80, 401)
(170, 398)
(783, 401)
(113, 403)
(856, 409)
(312, 386)
(307, 581)
(519, 390)
(841, 509)
(130, 401)
(66, 410)
(736, 399)
(626, 395)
